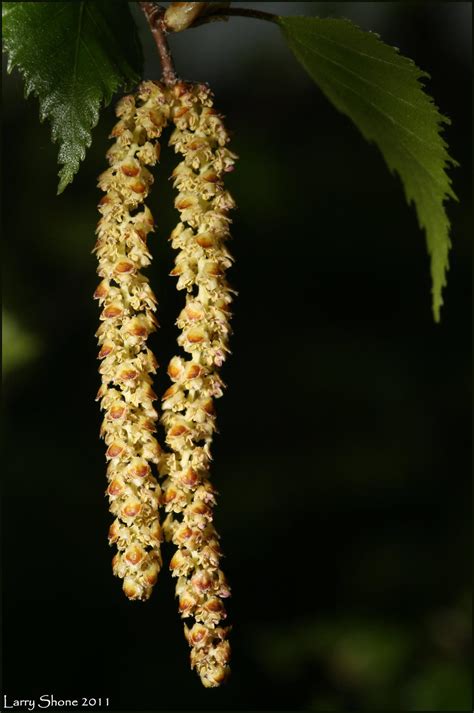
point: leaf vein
(78, 43)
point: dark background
(343, 456)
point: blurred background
(344, 448)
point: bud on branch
(181, 15)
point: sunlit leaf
(381, 91)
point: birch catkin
(126, 394)
(188, 405)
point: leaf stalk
(225, 12)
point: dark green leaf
(73, 56)
(381, 92)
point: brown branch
(154, 15)
(225, 12)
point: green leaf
(73, 57)
(381, 91)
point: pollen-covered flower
(188, 405)
(127, 318)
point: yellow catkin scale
(188, 405)
(127, 318)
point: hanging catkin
(188, 405)
(126, 394)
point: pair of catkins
(127, 364)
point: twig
(154, 14)
(223, 13)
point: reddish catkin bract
(188, 405)
(127, 318)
